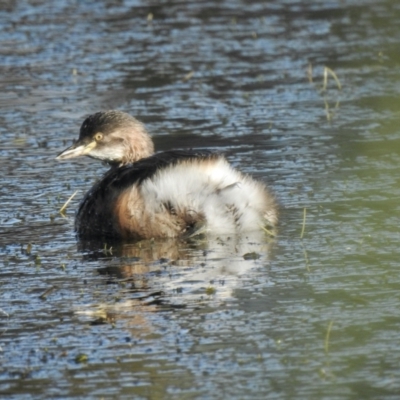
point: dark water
(311, 318)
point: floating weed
(81, 358)
(64, 207)
(304, 223)
(107, 251)
(28, 249)
(210, 290)
(327, 336)
(45, 294)
(19, 141)
(38, 261)
(327, 72)
(188, 76)
(268, 231)
(329, 111)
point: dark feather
(95, 214)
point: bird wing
(96, 207)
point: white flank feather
(230, 201)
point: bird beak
(76, 150)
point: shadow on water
(178, 274)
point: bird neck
(137, 149)
(134, 148)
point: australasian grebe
(170, 194)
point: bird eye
(98, 137)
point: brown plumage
(170, 194)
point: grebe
(170, 194)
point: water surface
(310, 318)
